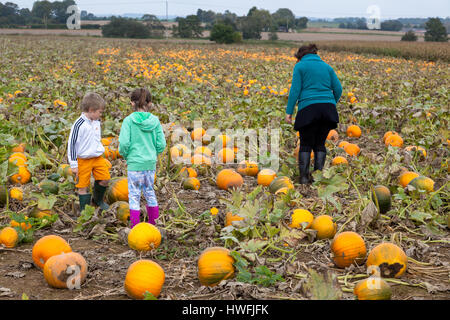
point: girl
(317, 90)
(141, 140)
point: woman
(317, 90)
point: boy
(85, 152)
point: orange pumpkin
(144, 276)
(354, 131)
(372, 288)
(342, 144)
(200, 159)
(394, 140)
(107, 141)
(180, 152)
(387, 134)
(214, 265)
(301, 218)
(20, 155)
(25, 226)
(191, 184)
(223, 140)
(279, 183)
(110, 153)
(47, 247)
(421, 150)
(352, 149)
(117, 190)
(406, 178)
(228, 178)
(229, 218)
(19, 148)
(9, 237)
(39, 213)
(389, 258)
(16, 193)
(248, 168)
(338, 160)
(348, 248)
(188, 172)
(266, 176)
(325, 227)
(22, 177)
(64, 170)
(422, 183)
(197, 134)
(123, 212)
(205, 150)
(18, 160)
(333, 135)
(226, 155)
(144, 237)
(66, 270)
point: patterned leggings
(139, 181)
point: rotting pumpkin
(389, 258)
(66, 270)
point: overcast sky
(312, 8)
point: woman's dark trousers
(312, 138)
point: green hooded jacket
(141, 139)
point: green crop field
(269, 248)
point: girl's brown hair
(141, 98)
(303, 50)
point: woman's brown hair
(141, 98)
(303, 50)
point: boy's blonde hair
(92, 101)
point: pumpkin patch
(231, 220)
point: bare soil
(108, 261)
(313, 34)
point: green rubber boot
(99, 193)
(84, 200)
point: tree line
(228, 27)
(224, 27)
(43, 13)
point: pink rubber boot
(153, 214)
(134, 217)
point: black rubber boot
(304, 159)
(84, 200)
(99, 193)
(319, 160)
